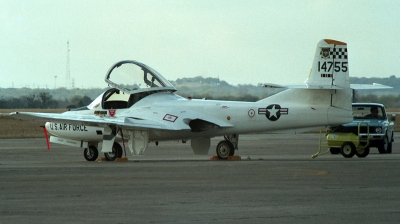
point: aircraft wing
(92, 120)
(138, 122)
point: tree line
(196, 88)
(43, 100)
(390, 101)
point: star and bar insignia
(273, 112)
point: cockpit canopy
(135, 77)
(130, 82)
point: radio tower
(67, 77)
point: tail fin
(327, 86)
(330, 69)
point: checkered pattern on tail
(336, 53)
(339, 53)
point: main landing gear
(91, 153)
(116, 152)
(227, 147)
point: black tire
(383, 145)
(362, 153)
(224, 149)
(389, 149)
(348, 149)
(116, 152)
(90, 154)
(334, 150)
(232, 152)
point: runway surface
(275, 182)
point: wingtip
(381, 85)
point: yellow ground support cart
(346, 143)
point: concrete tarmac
(275, 182)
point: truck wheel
(362, 152)
(389, 149)
(348, 149)
(383, 145)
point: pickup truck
(370, 116)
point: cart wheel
(348, 149)
(334, 150)
(362, 152)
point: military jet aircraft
(141, 107)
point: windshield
(133, 76)
(368, 112)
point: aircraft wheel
(362, 152)
(225, 149)
(116, 152)
(232, 152)
(348, 149)
(91, 153)
(334, 150)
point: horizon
(174, 81)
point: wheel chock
(124, 159)
(230, 158)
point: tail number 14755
(328, 65)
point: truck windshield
(368, 112)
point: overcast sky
(241, 42)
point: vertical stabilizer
(330, 70)
(327, 88)
(330, 66)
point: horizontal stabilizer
(271, 85)
(307, 86)
(369, 86)
(301, 86)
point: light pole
(55, 82)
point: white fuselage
(275, 113)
